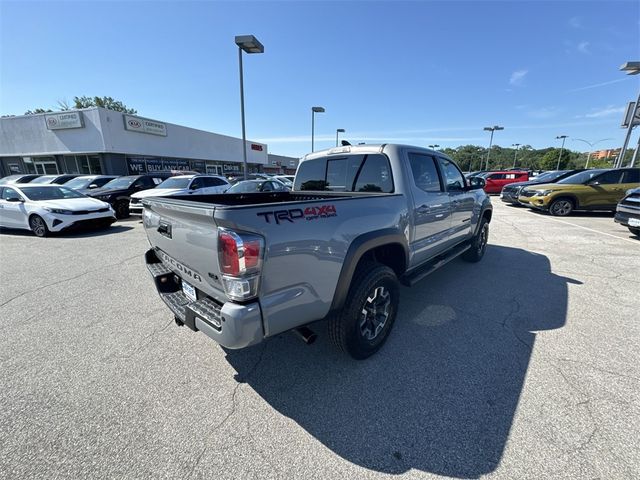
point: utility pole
(563, 137)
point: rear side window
(631, 176)
(351, 173)
(213, 182)
(609, 178)
(425, 173)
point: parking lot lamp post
(632, 68)
(339, 130)
(591, 145)
(563, 137)
(515, 155)
(314, 110)
(433, 147)
(490, 129)
(248, 44)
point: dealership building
(100, 141)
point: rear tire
(635, 231)
(562, 207)
(38, 226)
(478, 243)
(364, 323)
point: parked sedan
(180, 185)
(628, 211)
(257, 186)
(19, 178)
(118, 191)
(597, 189)
(85, 183)
(511, 192)
(495, 181)
(50, 208)
(53, 179)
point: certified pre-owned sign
(60, 121)
(144, 125)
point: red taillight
(240, 253)
(229, 261)
(252, 253)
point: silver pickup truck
(359, 221)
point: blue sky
(410, 72)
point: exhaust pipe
(305, 334)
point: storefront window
(28, 164)
(94, 164)
(70, 165)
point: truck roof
(362, 149)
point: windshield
(43, 179)
(175, 182)
(245, 187)
(50, 193)
(79, 182)
(581, 177)
(120, 182)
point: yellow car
(598, 189)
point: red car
(496, 180)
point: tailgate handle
(165, 229)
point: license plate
(189, 291)
(634, 222)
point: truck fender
(359, 246)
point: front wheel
(370, 309)
(122, 209)
(38, 226)
(478, 243)
(561, 207)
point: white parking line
(592, 230)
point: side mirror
(476, 183)
(93, 185)
(15, 200)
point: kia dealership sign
(144, 125)
(61, 121)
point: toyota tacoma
(359, 221)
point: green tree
(37, 110)
(104, 102)
(87, 102)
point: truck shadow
(440, 397)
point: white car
(286, 179)
(180, 185)
(50, 208)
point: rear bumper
(230, 324)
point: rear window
(349, 173)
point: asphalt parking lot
(526, 365)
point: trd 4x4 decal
(290, 215)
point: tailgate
(185, 237)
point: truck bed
(251, 199)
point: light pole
(515, 155)
(248, 44)
(591, 145)
(563, 137)
(632, 68)
(433, 147)
(314, 110)
(339, 130)
(490, 129)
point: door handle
(423, 209)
